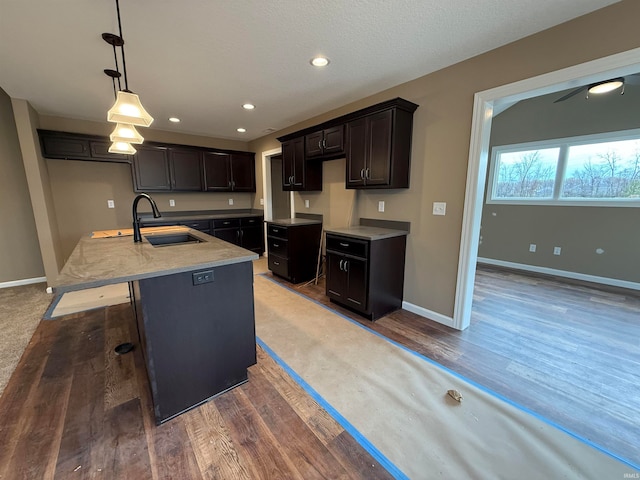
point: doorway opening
(487, 104)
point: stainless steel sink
(172, 239)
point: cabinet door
(151, 168)
(356, 271)
(186, 169)
(231, 235)
(313, 144)
(378, 168)
(356, 152)
(333, 141)
(60, 146)
(336, 285)
(292, 155)
(217, 171)
(243, 173)
(100, 151)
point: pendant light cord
(124, 62)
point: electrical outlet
(202, 277)
(231, 201)
(306, 204)
(381, 206)
(557, 250)
(262, 201)
(172, 203)
(532, 247)
(439, 208)
(111, 204)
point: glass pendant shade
(126, 133)
(122, 147)
(128, 109)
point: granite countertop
(102, 261)
(367, 233)
(286, 222)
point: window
(599, 170)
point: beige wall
(20, 257)
(507, 230)
(81, 189)
(441, 138)
(441, 143)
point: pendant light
(122, 147)
(127, 110)
(125, 132)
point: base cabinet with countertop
(365, 273)
(292, 247)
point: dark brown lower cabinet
(197, 338)
(293, 250)
(366, 276)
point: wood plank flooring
(75, 409)
(569, 352)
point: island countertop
(102, 261)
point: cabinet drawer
(226, 222)
(202, 225)
(278, 246)
(278, 231)
(250, 221)
(279, 265)
(348, 245)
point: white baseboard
(26, 281)
(562, 273)
(431, 315)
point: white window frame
(563, 144)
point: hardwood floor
(568, 352)
(74, 409)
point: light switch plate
(111, 204)
(439, 208)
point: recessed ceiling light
(248, 106)
(319, 61)
(174, 119)
(241, 130)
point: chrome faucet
(136, 221)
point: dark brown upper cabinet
(297, 173)
(75, 146)
(151, 171)
(325, 144)
(186, 169)
(229, 172)
(379, 150)
(377, 145)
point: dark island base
(197, 333)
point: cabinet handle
(275, 230)
(341, 265)
(226, 223)
(233, 184)
(276, 263)
(275, 245)
(319, 144)
(367, 173)
(362, 174)
(344, 244)
(229, 184)
(324, 143)
(346, 266)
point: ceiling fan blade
(571, 94)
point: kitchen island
(193, 304)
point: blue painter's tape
(361, 439)
(468, 380)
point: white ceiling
(201, 60)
